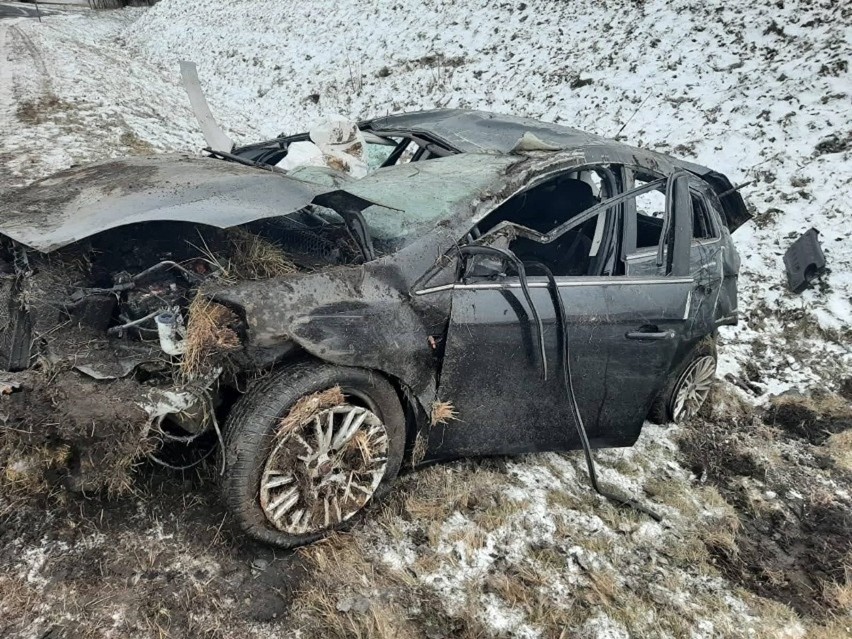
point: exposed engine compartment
(121, 324)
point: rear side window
(702, 222)
(650, 214)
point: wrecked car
(492, 285)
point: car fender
(351, 316)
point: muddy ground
(793, 498)
(165, 560)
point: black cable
(568, 382)
(509, 256)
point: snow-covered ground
(761, 93)
(71, 93)
(751, 93)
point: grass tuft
(308, 406)
(248, 257)
(443, 413)
(209, 332)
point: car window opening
(702, 223)
(650, 217)
(511, 260)
(589, 224)
(382, 149)
(547, 207)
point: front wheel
(689, 387)
(307, 449)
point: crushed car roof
(80, 202)
(471, 131)
(481, 131)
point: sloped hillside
(755, 494)
(762, 93)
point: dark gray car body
(416, 314)
(487, 366)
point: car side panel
(492, 372)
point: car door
(713, 264)
(622, 333)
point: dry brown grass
(443, 413)
(18, 601)
(839, 446)
(813, 418)
(524, 589)
(677, 493)
(585, 501)
(41, 110)
(351, 597)
(836, 629)
(435, 493)
(24, 472)
(256, 258)
(209, 332)
(839, 593)
(421, 444)
(308, 406)
(498, 511)
(248, 256)
(137, 145)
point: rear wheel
(293, 478)
(687, 389)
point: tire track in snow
(24, 83)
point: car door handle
(650, 333)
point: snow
(751, 93)
(711, 83)
(96, 103)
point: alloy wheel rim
(694, 388)
(325, 470)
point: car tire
(253, 446)
(16, 340)
(702, 360)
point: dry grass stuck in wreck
(209, 332)
(443, 413)
(248, 257)
(308, 406)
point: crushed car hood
(79, 202)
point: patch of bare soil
(793, 500)
(814, 419)
(41, 109)
(68, 427)
(166, 563)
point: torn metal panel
(804, 261)
(349, 316)
(215, 137)
(116, 361)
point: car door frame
(474, 436)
